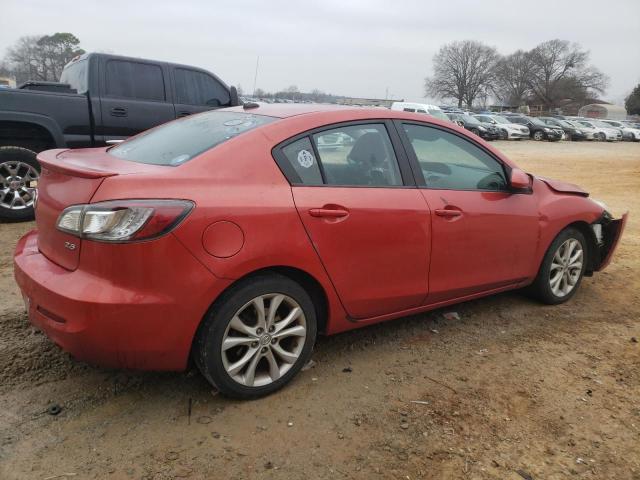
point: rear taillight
(123, 220)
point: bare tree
(512, 78)
(560, 69)
(462, 70)
(42, 57)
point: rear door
(135, 98)
(197, 91)
(484, 235)
(366, 219)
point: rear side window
(198, 88)
(300, 156)
(134, 80)
(358, 155)
(178, 142)
(76, 76)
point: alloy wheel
(17, 185)
(566, 267)
(264, 339)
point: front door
(368, 224)
(484, 235)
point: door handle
(119, 112)
(447, 213)
(328, 213)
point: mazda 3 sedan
(235, 237)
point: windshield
(600, 124)
(586, 124)
(575, 124)
(500, 119)
(537, 121)
(178, 142)
(439, 114)
(468, 119)
(75, 75)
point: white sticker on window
(305, 158)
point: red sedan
(236, 236)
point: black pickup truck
(100, 99)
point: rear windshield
(178, 142)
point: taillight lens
(123, 220)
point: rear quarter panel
(237, 182)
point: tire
(602, 137)
(504, 135)
(538, 135)
(542, 287)
(475, 131)
(232, 320)
(19, 170)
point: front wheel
(257, 336)
(562, 268)
(538, 135)
(504, 135)
(19, 173)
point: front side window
(134, 80)
(358, 155)
(198, 88)
(179, 141)
(450, 162)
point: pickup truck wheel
(19, 173)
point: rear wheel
(19, 173)
(562, 268)
(257, 337)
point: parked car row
(509, 126)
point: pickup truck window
(177, 142)
(75, 75)
(198, 88)
(134, 80)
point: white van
(432, 110)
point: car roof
(285, 110)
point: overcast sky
(355, 48)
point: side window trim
(413, 158)
(404, 164)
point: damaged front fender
(607, 231)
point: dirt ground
(512, 390)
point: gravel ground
(512, 390)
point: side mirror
(519, 180)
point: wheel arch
(592, 244)
(310, 284)
(34, 132)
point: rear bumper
(612, 232)
(117, 321)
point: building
(603, 110)
(7, 82)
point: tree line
(554, 71)
(40, 57)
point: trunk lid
(71, 177)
